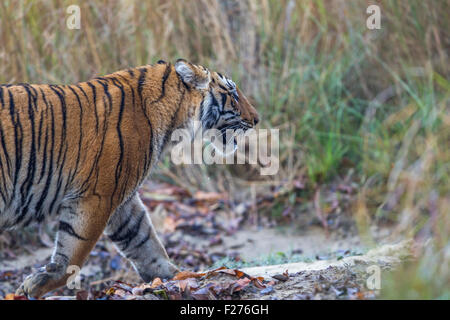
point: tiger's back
(60, 143)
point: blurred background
(364, 120)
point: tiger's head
(221, 105)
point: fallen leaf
(110, 291)
(239, 273)
(239, 285)
(123, 286)
(187, 284)
(10, 296)
(258, 283)
(187, 274)
(138, 291)
(209, 196)
(82, 295)
(281, 277)
(203, 294)
(228, 271)
(169, 224)
(156, 283)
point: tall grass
(344, 97)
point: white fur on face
(230, 85)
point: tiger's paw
(37, 284)
(163, 269)
(170, 271)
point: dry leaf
(258, 283)
(156, 283)
(228, 271)
(239, 273)
(239, 285)
(209, 196)
(82, 295)
(110, 291)
(281, 277)
(10, 296)
(169, 224)
(187, 274)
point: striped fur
(80, 152)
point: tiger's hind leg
(131, 229)
(80, 226)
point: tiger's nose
(255, 120)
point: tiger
(78, 154)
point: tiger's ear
(194, 76)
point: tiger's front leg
(80, 226)
(131, 229)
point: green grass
(419, 280)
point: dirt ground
(105, 266)
(201, 231)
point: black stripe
(67, 228)
(60, 94)
(28, 183)
(114, 236)
(222, 87)
(125, 240)
(84, 92)
(131, 89)
(224, 100)
(108, 95)
(15, 120)
(142, 242)
(81, 134)
(142, 77)
(2, 100)
(59, 181)
(170, 129)
(65, 257)
(44, 194)
(94, 93)
(119, 134)
(5, 150)
(163, 84)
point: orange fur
(96, 141)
